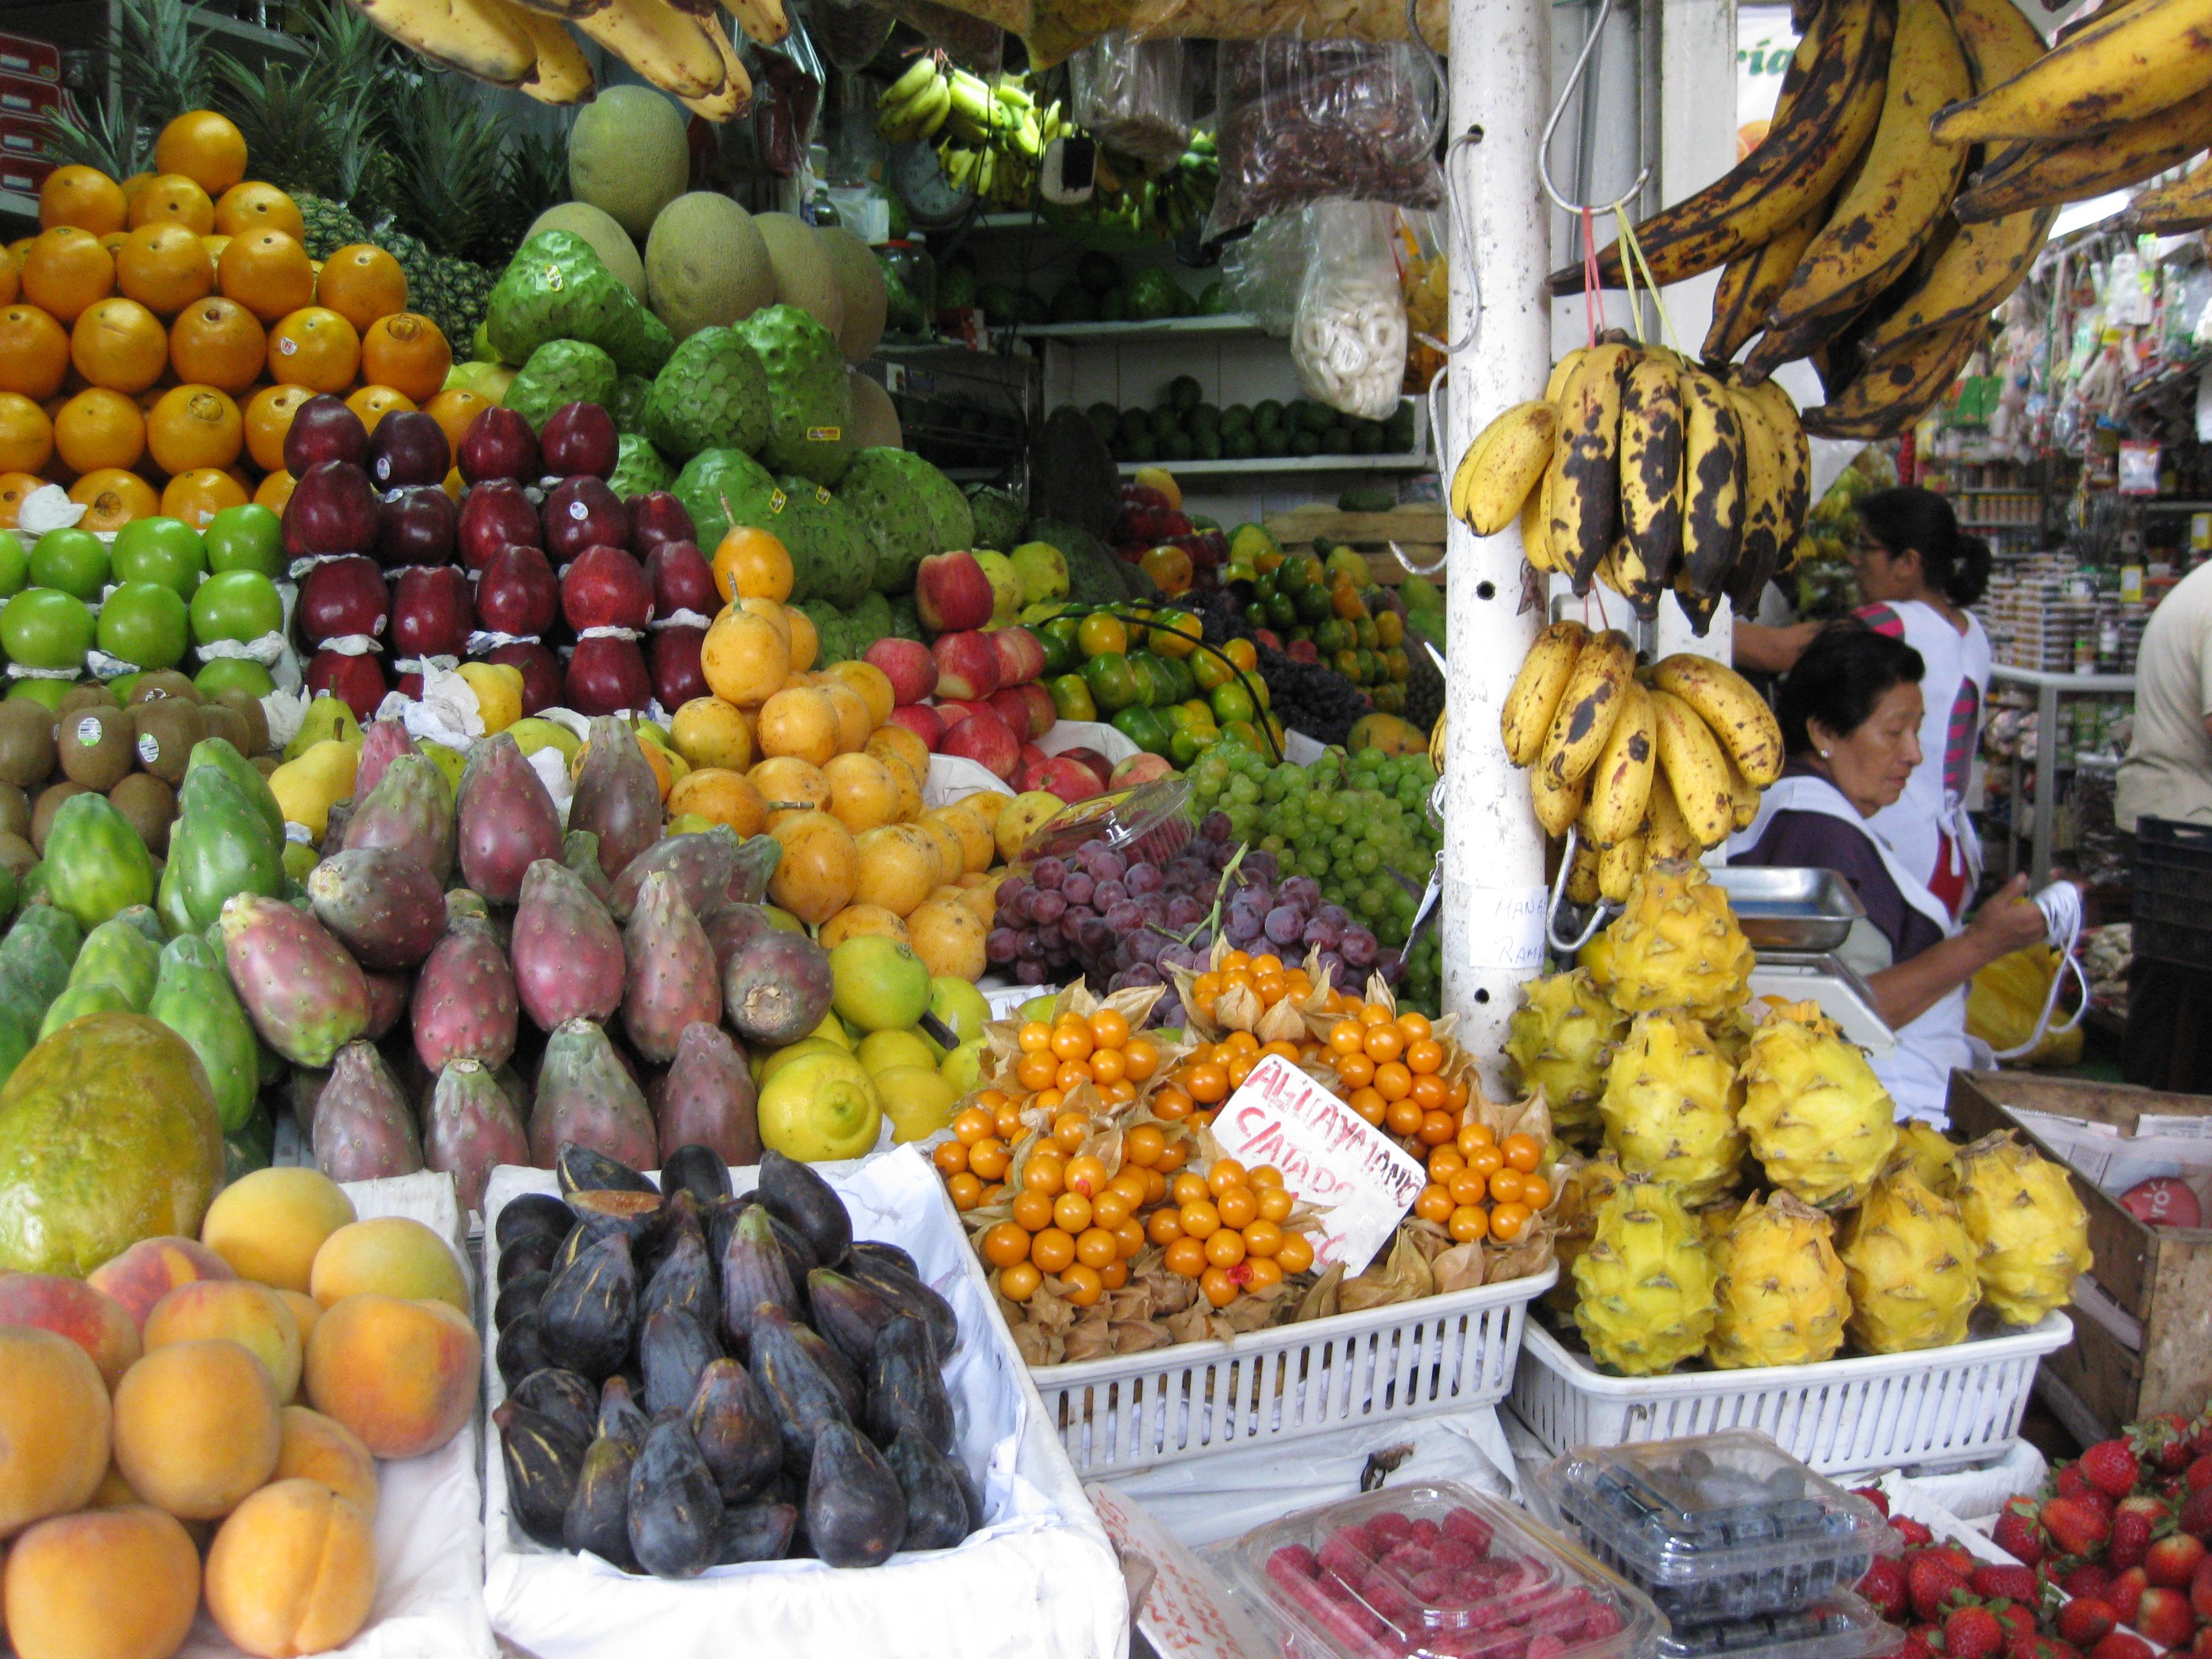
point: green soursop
(831, 557)
(906, 621)
(561, 372)
(833, 630)
(870, 620)
(555, 287)
(639, 468)
(711, 394)
(809, 407)
(998, 519)
(716, 485)
(628, 406)
(906, 506)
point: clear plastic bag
(1310, 19)
(849, 35)
(1262, 273)
(1299, 121)
(975, 44)
(1135, 96)
(1348, 338)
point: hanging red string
(1591, 274)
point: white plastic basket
(1934, 1409)
(1452, 1352)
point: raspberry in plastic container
(1435, 1571)
(1147, 823)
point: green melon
(860, 291)
(804, 275)
(706, 264)
(608, 240)
(629, 154)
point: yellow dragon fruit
(1585, 1183)
(1820, 1123)
(1670, 1107)
(1559, 1040)
(1677, 945)
(1931, 1155)
(2030, 1231)
(1909, 1262)
(1779, 1287)
(1714, 1219)
(1644, 1300)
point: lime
(1112, 682)
(45, 628)
(959, 1006)
(71, 560)
(14, 564)
(236, 604)
(48, 694)
(1071, 698)
(158, 549)
(878, 984)
(246, 537)
(144, 622)
(239, 674)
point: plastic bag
(1348, 338)
(2005, 1000)
(974, 42)
(1262, 273)
(1425, 279)
(1377, 21)
(849, 36)
(1135, 96)
(1053, 30)
(1302, 119)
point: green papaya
(193, 999)
(95, 863)
(115, 953)
(32, 972)
(82, 999)
(250, 1147)
(218, 753)
(219, 848)
(19, 1030)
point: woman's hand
(2010, 922)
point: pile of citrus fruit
(158, 333)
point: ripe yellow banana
(765, 21)
(1536, 527)
(1745, 793)
(1725, 701)
(2168, 209)
(2145, 58)
(1668, 834)
(1620, 782)
(1604, 668)
(1713, 508)
(1502, 465)
(1557, 805)
(1583, 886)
(1815, 134)
(1584, 476)
(1997, 39)
(736, 96)
(1893, 207)
(1651, 447)
(1695, 769)
(1618, 867)
(1895, 387)
(477, 39)
(2048, 173)
(1525, 720)
(668, 48)
(1750, 284)
(562, 74)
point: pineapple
(1909, 1262)
(1931, 1155)
(1820, 1123)
(1645, 1288)
(2031, 1234)
(1780, 1287)
(155, 50)
(1670, 1107)
(1585, 1183)
(1559, 1043)
(1677, 945)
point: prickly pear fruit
(306, 996)
(192, 997)
(586, 1096)
(388, 995)
(707, 1098)
(508, 821)
(382, 742)
(580, 851)
(617, 797)
(363, 1126)
(464, 1004)
(757, 859)
(409, 811)
(671, 980)
(472, 1129)
(701, 864)
(381, 904)
(567, 955)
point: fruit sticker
(824, 434)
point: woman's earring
(1824, 754)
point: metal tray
(1795, 910)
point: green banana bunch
(916, 106)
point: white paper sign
(1505, 926)
(1330, 1156)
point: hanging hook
(1559, 109)
(1597, 918)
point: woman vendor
(1850, 713)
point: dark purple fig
(675, 1507)
(518, 1297)
(621, 1418)
(848, 1312)
(832, 1365)
(698, 1169)
(597, 1522)
(518, 1353)
(532, 1212)
(534, 1253)
(866, 1250)
(565, 1397)
(912, 1297)
(802, 1199)
(802, 1398)
(683, 1282)
(673, 1348)
(756, 1532)
(736, 1429)
(855, 1511)
(936, 1516)
(906, 1390)
(754, 1274)
(588, 1315)
(582, 1170)
(543, 1460)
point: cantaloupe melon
(706, 264)
(860, 290)
(608, 240)
(629, 154)
(875, 420)
(804, 275)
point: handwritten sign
(1505, 928)
(1186, 1612)
(1331, 1157)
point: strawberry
(2165, 1617)
(2129, 1541)
(2200, 1433)
(2075, 1528)
(2085, 1621)
(2200, 1646)
(2126, 1592)
(1972, 1633)
(1911, 1531)
(1993, 1583)
(1919, 1643)
(1930, 1581)
(2162, 1443)
(1884, 1588)
(2071, 1480)
(2121, 1645)
(2173, 1560)
(2198, 1475)
(2017, 1532)
(2017, 1620)
(2200, 1590)
(1876, 1495)
(2112, 1468)
(2196, 1517)
(2087, 1579)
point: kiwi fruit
(95, 748)
(14, 810)
(167, 728)
(163, 682)
(150, 806)
(225, 723)
(247, 707)
(27, 744)
(49, 803)
(17, 856)
(96, 694)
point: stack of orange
(158, 333)
(1480, 1187)
(1225, 1229)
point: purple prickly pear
(755, 863)
(381, 904)
(617, 797)
(672, 981)
(408, 812)
(586, 1096)
(734, 927)
(506, 820)
(473, 1129)
(363, 1126)
(388, 994)
(702, 864)
(707, 1098)
(382, 742)
(465, 999)
(567, 955)
(306, 996)
(580, 851)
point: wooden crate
(1417, 527)
(2159, 1276)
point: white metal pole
(1493, 854)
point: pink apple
(907, 665)
(1069, 780)
(1091, 761)
(984, 737)
(953, 710)
(921, 720)
(1138, 769)
(951, 592)
(1030, 756)
(1021, 656)
(1019, 714)
(967, 664)
(1044, 713)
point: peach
(195, 1427)
(320, 1448)
(293, 1570)
(54, 1421)
(305, 1310)
(71, 1308)
(151, 1268)
(401, 1375)
(252, 1316)
(120, 1583)
(389, 1255)
(269, 1224)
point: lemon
(820, 1106)
(880, 1051)
(918, 1102)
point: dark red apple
(984, 737)
(342, 597)
(606, 588)
(409, 448)
(518, 593)
(499, 444)
(578, 438)
(333, 509)
(682, 581)
(357, 681)
(418, 525)
(495, 513)
(656, 517)
(431, 612)
(1097, 764)
(923, 720)
(607, 676)
(324, 429)
(671, 657)
(581, 512)
(542, 679)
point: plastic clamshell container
(1841, 1627)
(1147, 823)
(1435, 1571)
(1720, 1528)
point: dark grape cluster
(1223, 618)
(1424, 687)
(1310, 698)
